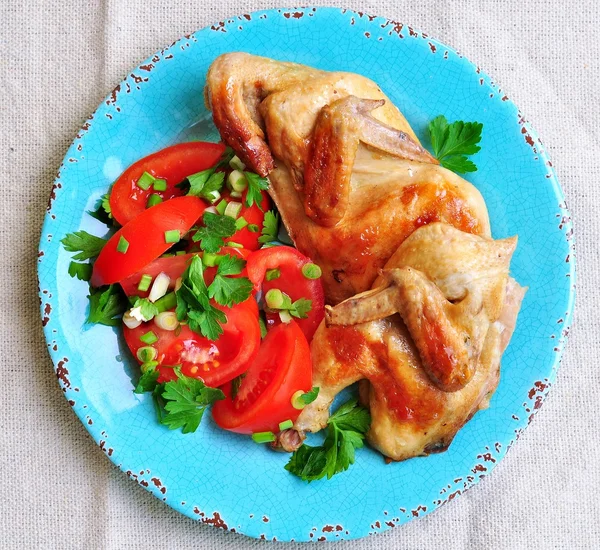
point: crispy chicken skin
(426, 342)
(347, 172)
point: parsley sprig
(452, 143)
(107, 305)
(256, 184)
(186, 400)
(346, 431)
(226, 290)
(85, 245)
(179, 403)
(216, 228)
(193, 297)
(270, 227)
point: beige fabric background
(58, 59)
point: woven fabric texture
(59, 59)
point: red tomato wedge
(174, 266)
(215, 362)
(291, 281)
(144, 239)
(172, 164)
(264, 398)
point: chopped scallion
(172, 236)
(236, 181)
(209, 259)
(253, 228)
(168, 301)
(236, 164)
(233, 209)
(145, 181)
(240, 223)
(272, 274)
(160, 185)
(144, 283)
(123, 245)
(221, 207)
(149, 338)
(147, 353)
(274, 298)
(232, 244)
(263, 437)
(311, 271)
(153, 200)
(285, 425)
(285, 316)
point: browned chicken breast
(426, 341)
(347, 173)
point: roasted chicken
(426, 341)
(347, 173)
(357, 193)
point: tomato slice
(145, 236)
(264, 398)
(174, 266)
(291, 281)
(172, 164)
(215, 362)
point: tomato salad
(213, 308)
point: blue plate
(228, 481)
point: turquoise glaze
(227, 480)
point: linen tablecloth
(59, 59)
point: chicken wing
(425, 343)
(347, 172)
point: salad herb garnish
(452, 143)
(256, 184)
(346, 430)
(87, 246)
(186, 400)
(82, 271)
(106, 306)
(216, 229)
(270, 228)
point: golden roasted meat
(426, 342)
(347, 172)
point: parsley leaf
(452, 143)
(230, 290)
(82, 271)
(308, 397)
(207, 322)
(216, 228)
(270, 227)
(103, 212)
(186, 400)
(346, 430)
(147, 310)
(230, 265)
(87, 246)
(148, 381)
(299, 309)
(256, 184)
(193, 303)
(205, 183)
(106, 306)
